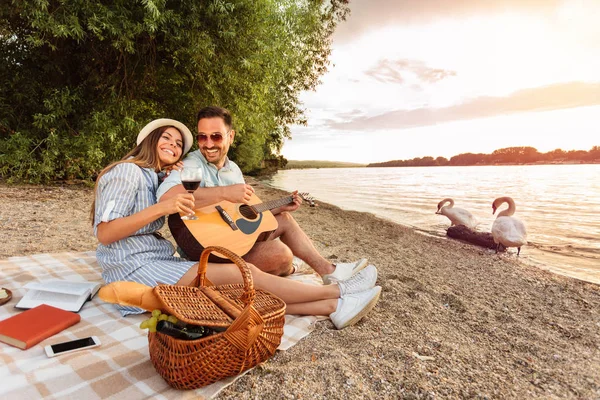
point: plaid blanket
(120, 367)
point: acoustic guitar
(235, 226)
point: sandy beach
(454, 320)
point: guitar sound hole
(248, 212)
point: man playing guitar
(222, 180)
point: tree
(81, 78)
(577, 155)
(594, 154)
(516, 155)
(555, 155)
(441, 161)
(468, 159)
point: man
(223, 180)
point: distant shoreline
(492, 165)
(306, 164)
(295, 164)
(522, 155)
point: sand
(454, 320)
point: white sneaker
(360, 282)
(351, 308)
(344, 271)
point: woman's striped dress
(144, 257)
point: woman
(126, 218)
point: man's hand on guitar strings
(297, 198)
(294, 205)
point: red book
(30, 327)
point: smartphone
(70, 346)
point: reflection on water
(557, 203)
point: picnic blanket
(120, 367)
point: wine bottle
(188, 332)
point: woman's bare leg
(319, 307)
(290, 291)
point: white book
(68, 295)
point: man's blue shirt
(230, 174)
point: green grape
(152, 324)
(157, 315)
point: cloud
(385, 72)
(394, 71)
(341, 117)
(367, 14)
(553, 97)
(352, 113)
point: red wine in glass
(191, 186)
(190, 178)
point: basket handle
(249, 292)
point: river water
(559, 204)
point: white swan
(458, 216)
(507, 230)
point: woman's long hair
(144, 155)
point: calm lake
(559, 204)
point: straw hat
(188, 139)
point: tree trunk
(482, 239)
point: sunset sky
(443, 77)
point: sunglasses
(215, 137)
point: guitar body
(212, 229)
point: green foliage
(80, 78)
(469, 159)
(515, 154)
(293, 164)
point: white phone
(70, 346)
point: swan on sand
(507, 230)
(458, 216)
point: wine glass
(190, 178)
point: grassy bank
(294, 164)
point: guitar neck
(269, 205)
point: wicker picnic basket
(252, 320)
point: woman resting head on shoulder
(126, 218)
(160, 146)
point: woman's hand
(178, 166)
(121, 228)
(180, 203)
